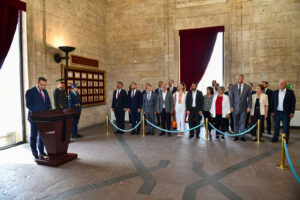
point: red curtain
(196, 46)
(9, 12)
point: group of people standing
(37, 100)
(237, 109)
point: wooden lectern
(55, 127)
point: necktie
(148, 96)
(132, 96)
(43, 97)
(118, 94)
(240, 89)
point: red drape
(196, 46)
(9, 12)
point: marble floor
(121, 167)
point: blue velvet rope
(233, 135)
(290, 162)
(123, 129)
(174, 131)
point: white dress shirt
(281, 96)
(242, 87)
(133, 93)
(194, 98)
(117, 93)
(41, 91)
(164, 94)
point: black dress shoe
(191, 135)
(223, 138)
(235, 139)
(35, 157)
(274, 140)
(147, 133)
(217, 137)
(116, 132)
(78, 135)
(75, 137)
(243, 139)
(43, 154)
(162, 133)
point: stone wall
(262, 38)
(137, 40)
(63, 22)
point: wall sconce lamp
(58, 58)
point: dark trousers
(220, 124)
(158, 118)
(75, 125)
(165, 119)
(34, 135)
(194, 120)
(120, 117)
(285, 118)
(239, 122)
(207, 115)
(247, 120)
(135, 117)
(150, 118)
(269, 124)
(255, 118)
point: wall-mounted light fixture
(58, 58)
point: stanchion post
(282, 154)
(143, 125)
(206, 129)
(107, 125)
(258, 131)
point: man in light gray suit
(165, 107)
(240, 103)
(149, 108)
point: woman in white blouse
(220, 110)
(179, 104)
(260, 106)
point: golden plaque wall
(91, 84)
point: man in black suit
(171, 87)
(194, 106)
(283, 109)
(268, 92)
(157, 91)
(119, 105)
(135, 100)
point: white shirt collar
(282, 90)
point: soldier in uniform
(74, 102)
(60, 98)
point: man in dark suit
(268, 92)
(149, 108)
(119, 106)
(240, 105)
(283, 109)
(157, 91)
(135, 100)
(165, 106)
(171, 87)
(194, 106)
(74, 101)
(37, 100)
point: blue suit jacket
(136, 102)
(289, 102)
(34, 101)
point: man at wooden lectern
(37, 100)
